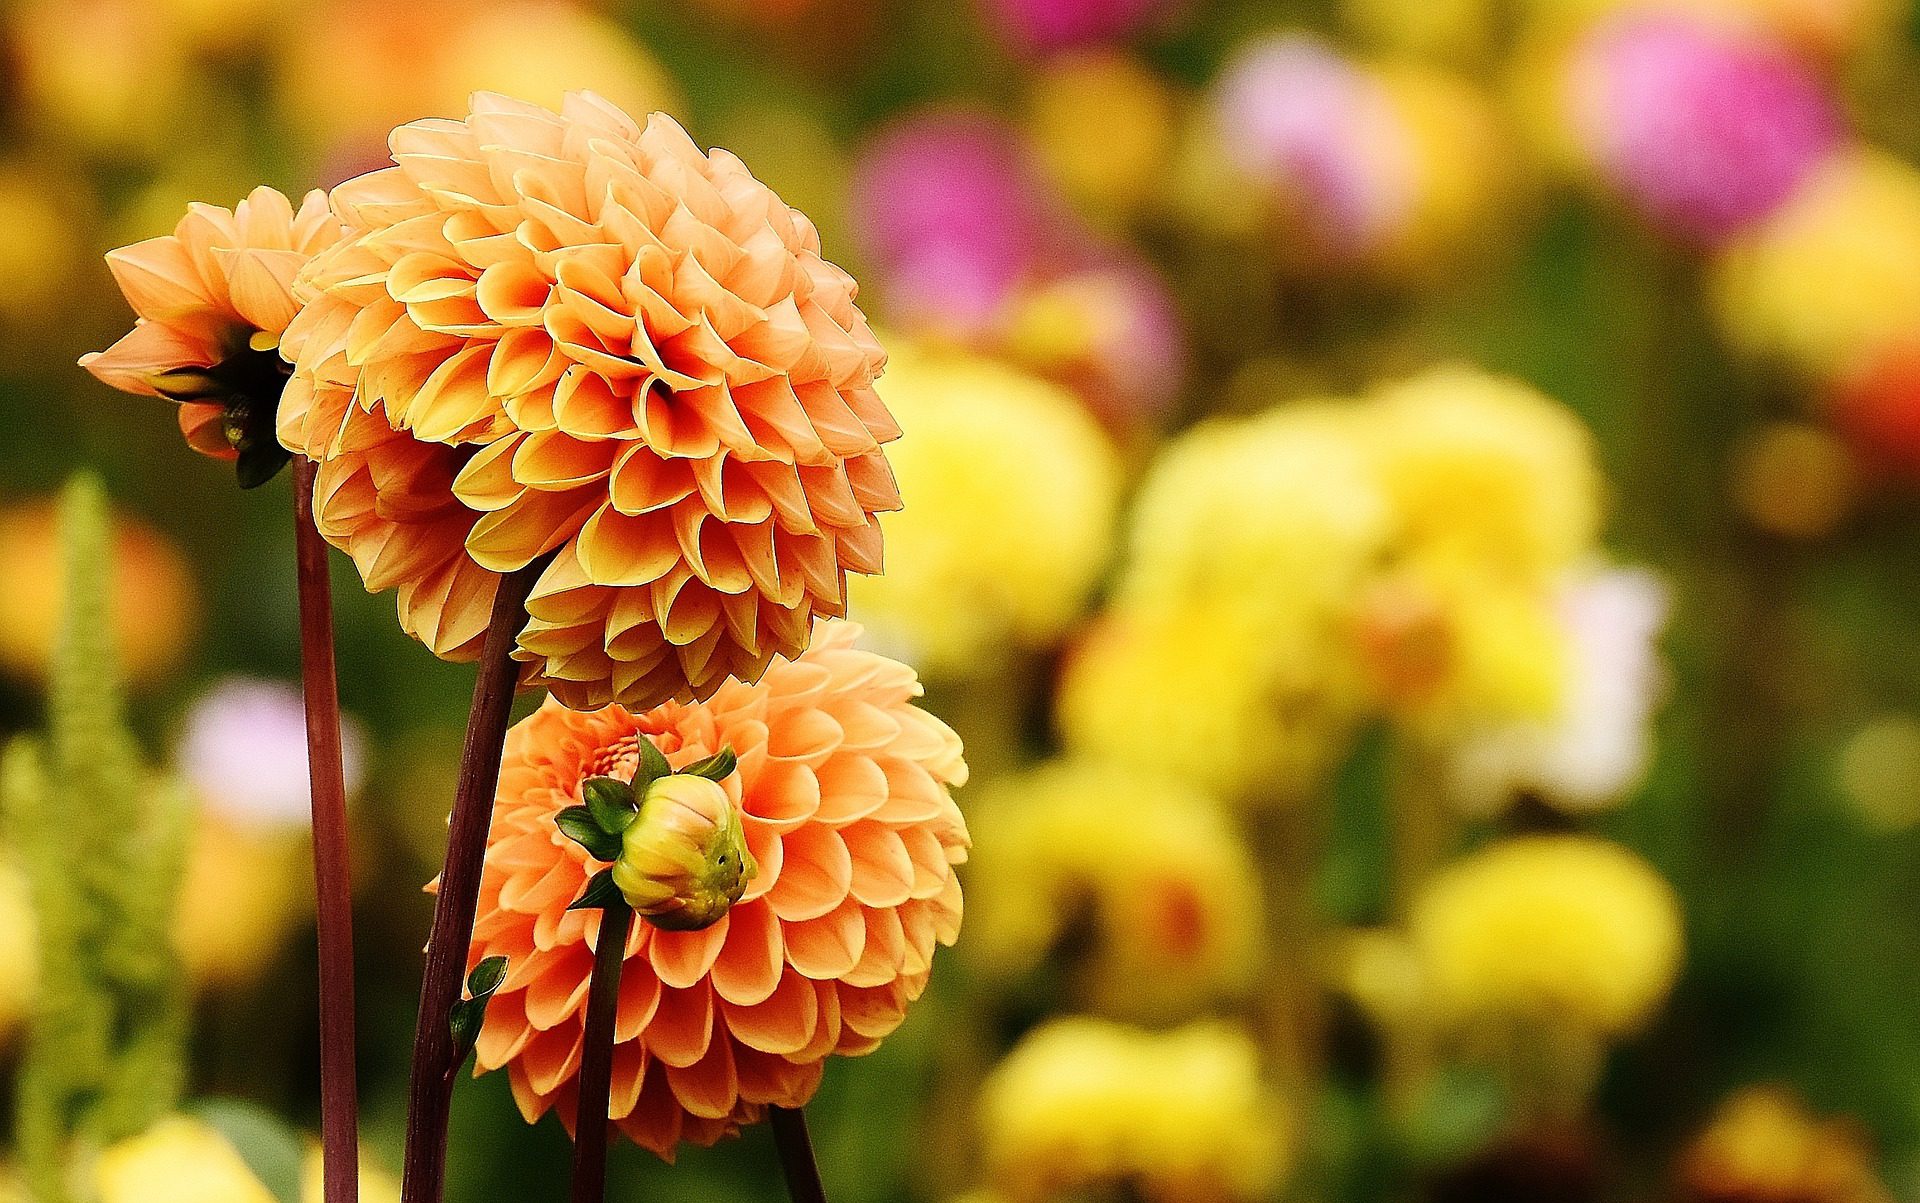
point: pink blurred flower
(244, 752)
(1706, 128)
(1300, 119)
(1112, 333)
(953, 218)
(1045, 26)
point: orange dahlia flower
(842, 789)
(211, 300)
(567, 333)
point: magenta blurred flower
(1707, 129)
(953, 217)
(1299, 119)
(243, 752)
(1045, 26)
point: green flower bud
(683, 860)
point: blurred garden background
(1413, 508)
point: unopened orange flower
(568, 333)
(842, 790)
(211, 300)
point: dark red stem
(430, 1088)
(796, 1155)
(596, 1057)
(332, 885)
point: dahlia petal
(782, 1023)
(486, 482)
(160, 279)
(684, 958)
(509, 539)
(148, 349)
(260, 284)
(882, 870)
(683, 1026)
(551, 1058)
(205, 428)
(815, 875)
(747, 971)
(873, 1012)
(553, 461)
(829, 947)
(851, 788)
(630, 1063)
(560, 994)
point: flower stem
(332, 887)
(430, 1087)
(596, 1057)
(796, 1155)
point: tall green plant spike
(104, 846)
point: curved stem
(332, 884)
(796, 1155)
(596, 1057)
(430, 1086)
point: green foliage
(103, 845)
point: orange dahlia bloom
(842, 789)
(211, 300)
(567, 333)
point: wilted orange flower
(211, 300)
(566, 333)
(842, 787)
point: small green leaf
(600, 892)
(487, 976)
(653, 766)
(468, 1017)
(578, 824)
(611, 803)
(717, 767)
(271, 1150)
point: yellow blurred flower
(114, 77)
(1488, 468)
(1451, 645)
(1166, 887)
(1179, 1117)
(178, 1160)
(154, 607)
(1834, 275)
(243, 894)
(1250, 711)
(1764, 1146)
(1879, 771)
(1463, 164)
(1012, 490)
(1568, 931)
(43, 216)
(1103, 124)
(183, 1159)
(1282, 513)
(19, 948)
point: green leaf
(717, 767)
(271, 1150)
(259, 463)
(600, 892)
(653, 766)
(487, 976)
(578, 824)
(611, 803)
(468, 1017)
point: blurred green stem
(795, 1147)
(1424, 828)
